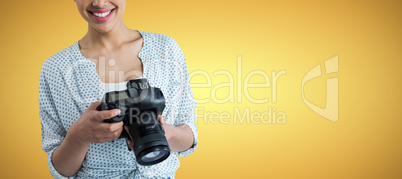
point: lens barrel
(149, 141)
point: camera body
(140, 104)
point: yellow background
(270, 36)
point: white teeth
(102, 14)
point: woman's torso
(163, 68)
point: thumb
(162, 119)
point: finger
(117, 133)
(102, 115)
(162, 120)
(94, 105)
(113, 136)
(159, 119)
(110, 127)
(117, 126)
(103, 140)
(107, 139)
(130, 144)
(127, 128)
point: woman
(73, 81)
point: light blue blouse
(69, 83)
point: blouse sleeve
(53, 132)
(187, 104)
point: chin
(103, 28)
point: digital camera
(140, 104)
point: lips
(101, 15)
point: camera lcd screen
(118, 96)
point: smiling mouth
(104, 14)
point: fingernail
(117, 112)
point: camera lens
(152, 153)
(153, 156)
(149, 141)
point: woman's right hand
(90, 127)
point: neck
(108, 40)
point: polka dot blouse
(69, 83)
